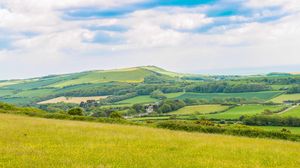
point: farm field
(137, 100)
(199, 109)
(173, 95)
(34, 93)
(286, 97)
(295, 112)
(30, 141)
(294, 130)
(76, 100)
(251, 95)
(130, 75)
(5, 92)
(238, 111)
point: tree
(157, 94)
(76, 111)
(115, 115)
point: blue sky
(204, 36)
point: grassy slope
(294, 130)
(236, 112)
(200, 109)
(295, 112)
(130, 75)
(208, 96)
(137, 100)
(34, 142)
(286, 97)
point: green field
(173, 95)
(5, 92)
(130, 75)
(233, 113)
(294, 130)
(35, 142)
(238, 111)
(251, 95)
(137, 100)
(286, 97)
(35, 93)
(199, 109)
(295, 112)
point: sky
(196, 36)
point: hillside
(31, 90)
(30, 141)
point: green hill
(31, 90)
(36, 142)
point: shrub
(115, 115)
(238, 130)
(76, 111)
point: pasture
(286, 97)
(76, 100)
(251, 95)
(294, 112)
(130, 75)
(35, 142)
(238, 111)
(137, 100)
(199, 109)
(294, 130)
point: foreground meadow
(34, 142)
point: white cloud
(287, 5)
(161, 36)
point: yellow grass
(34, 142)
(76, 100)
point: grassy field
(199, 109)
(5, 92)
(295, 112)
(238, 111)
(286, 97)
(76, 100)
(233, 113)
(173, 95)
(131, 75)
(251, 95)
(137, 100)
(35, 93)
(34, 142)
(294, 130)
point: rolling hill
(30, 90)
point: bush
(238, 130)
(263, 120)
(115, 115)
(76, 111)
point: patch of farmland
(249, 95)
(294, 130)
(199, 109)
(137, 100)
(5, 92)
(173, 95)
(35, 93)
(130, 75)
(286, 97)
(294, 112)
(76, 100)
(238, 111)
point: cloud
(187, 36)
